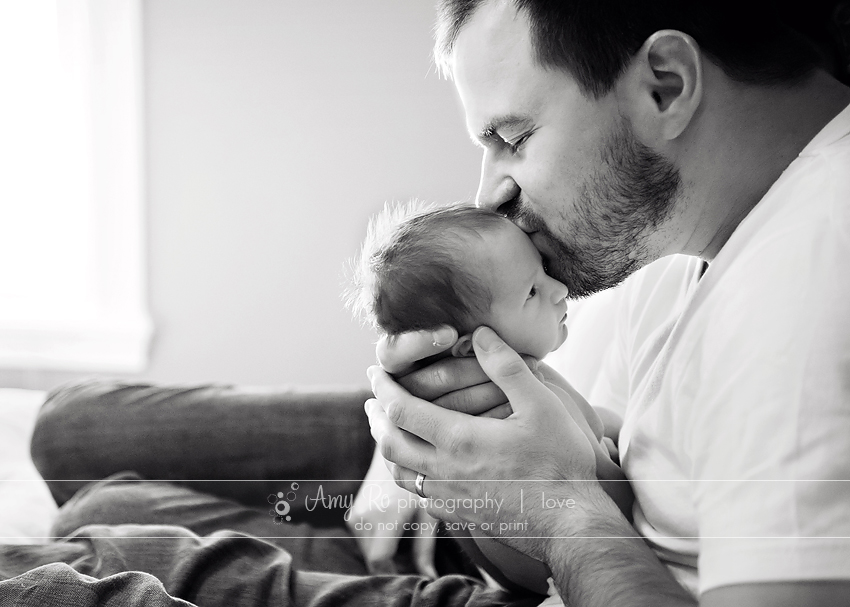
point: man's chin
(563, 264)
(583, 273)
(584, 279)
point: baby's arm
(610, 475)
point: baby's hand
(613, 451)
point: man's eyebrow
(493, 126)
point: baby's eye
(532, 293)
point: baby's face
(528, 307)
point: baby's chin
(541, 354)
(562, 337)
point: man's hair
(416, 269)
(594, 40)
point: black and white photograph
(441, 303)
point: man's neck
(748, 136)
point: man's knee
(60, 437)
(116, 500)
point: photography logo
(280, 512)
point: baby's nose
(559, 291)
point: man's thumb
(506, 368)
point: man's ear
(662, 87)
(463, 347)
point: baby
(424, 267)
(460, 266)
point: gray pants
(203, 502)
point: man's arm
(598, 559)
(595, 555)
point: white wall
(274, 129)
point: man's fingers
(395, 445)
(509, 371)
(448, 375)
(503, 411)
(443, 377)
(435, 498)
(474, 400)
(425, 420)
(399, 354)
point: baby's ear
(463, 347)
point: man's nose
(497, 187)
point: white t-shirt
(737, 388)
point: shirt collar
(836, 129)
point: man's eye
(532, 293)
(516, 145)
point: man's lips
(541, 243)
(538, 240)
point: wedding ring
(419, 484)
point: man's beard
(631, 194)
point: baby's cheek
(519, 338)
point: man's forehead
(491, 64)
(495, 37)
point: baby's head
(461, 266)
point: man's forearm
(597, 558)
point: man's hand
(417, 361)
(473, 458)
(401, 354)
(454, 383)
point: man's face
(566, 168)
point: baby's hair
(416, 269)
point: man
(616, 135)
(703, 147)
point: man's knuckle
(460, 401)
(457, 441)
(398, 477)
(395, 411)
(530, 362)
(440, 377)
(500, 411)
(388, 451)
(513, 368)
